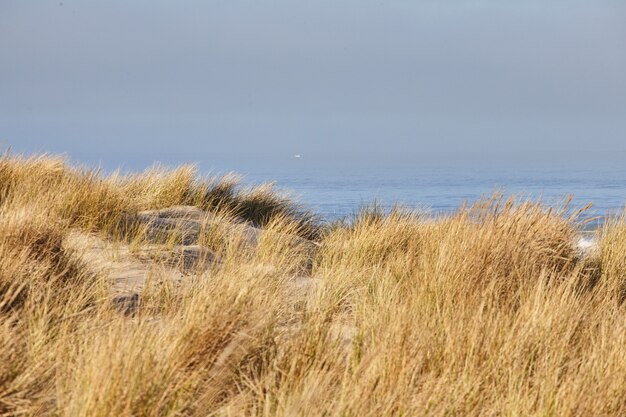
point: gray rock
(126, 304)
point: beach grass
(490, 310)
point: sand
(129, 270)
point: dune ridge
(165, 293)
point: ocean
(336, 185)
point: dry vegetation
(490, 311)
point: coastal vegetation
(165, 293)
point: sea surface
(336, 185)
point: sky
(295, 76)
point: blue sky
(89, 77)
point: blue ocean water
(337, 185)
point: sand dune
(129, 269)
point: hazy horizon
(194, 78)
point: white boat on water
(297, 155)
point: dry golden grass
(489, 311)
